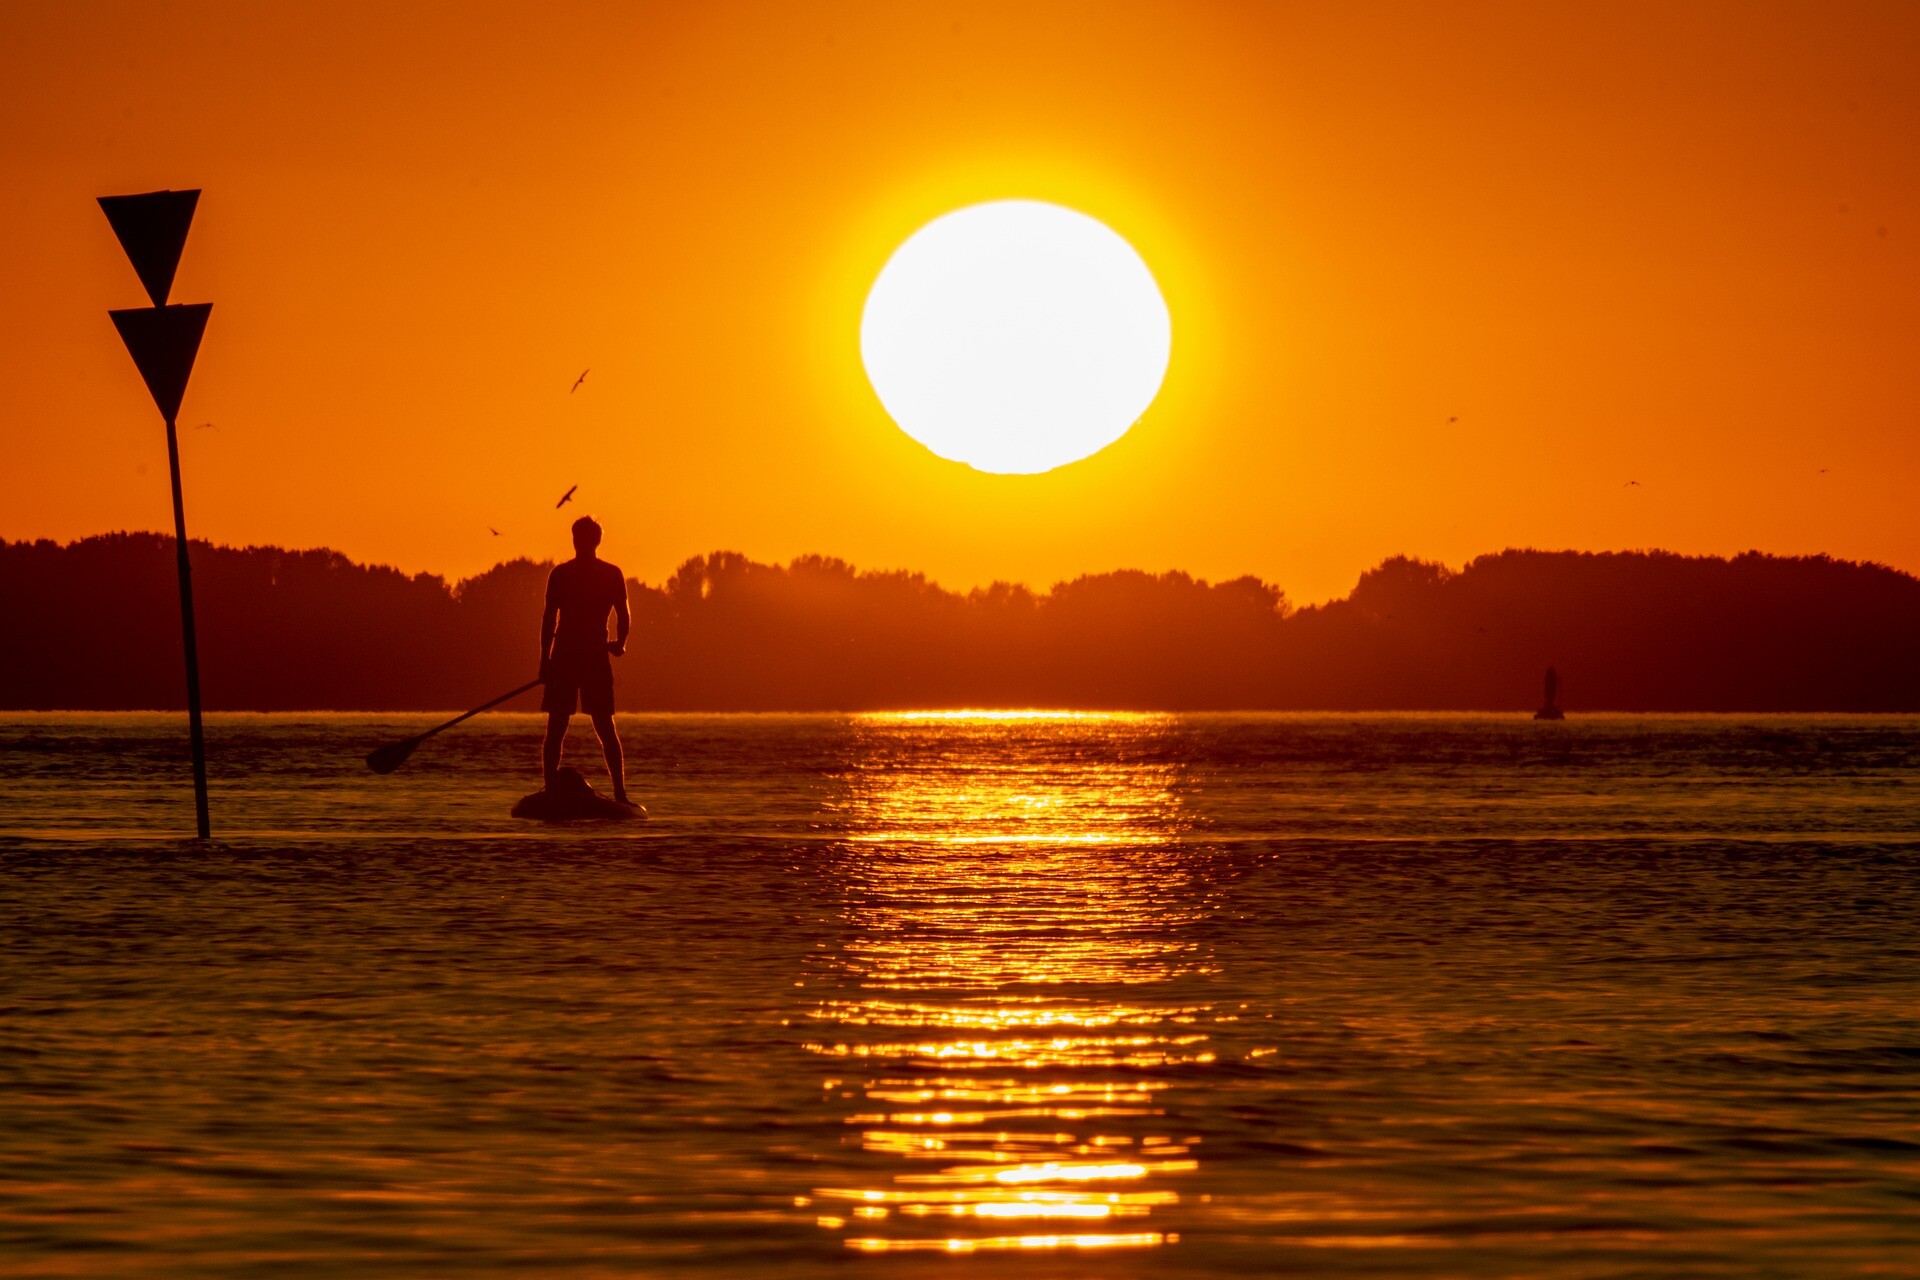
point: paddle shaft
(422, 737)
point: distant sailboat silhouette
(1550, 709)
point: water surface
(967, 995)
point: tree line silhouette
(94, 624)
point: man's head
(586, 535)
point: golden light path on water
(1010, 915)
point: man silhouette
(576, 658)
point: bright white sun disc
(1015, 336)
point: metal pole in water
(163, 341)
(188, 638)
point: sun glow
(1015, 336)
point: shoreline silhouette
(286, 630)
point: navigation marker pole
(163, 341)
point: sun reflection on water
(1016, 893)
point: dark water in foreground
(1018, 997)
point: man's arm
(622, 621)
(547, 617)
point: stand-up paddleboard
(568, 798)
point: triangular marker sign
(163, 342)
(153, 230)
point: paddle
(390, 757)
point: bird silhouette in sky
(204, 425)
(577, 381)
(1631, 484)
(495, 532)
(1822, 471)
(1451, 421)
(565, 498)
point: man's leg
(610, 748)
(550, 749)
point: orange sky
(1678, 244)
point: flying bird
(1631, 484)
(1451, 421)
(204, 425)
(565, 498)
(1822, 471)
(495, 532)
(577, 381)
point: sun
(1015, 336)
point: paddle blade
(390, 757)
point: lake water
(1008, 996)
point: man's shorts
(585, 677)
